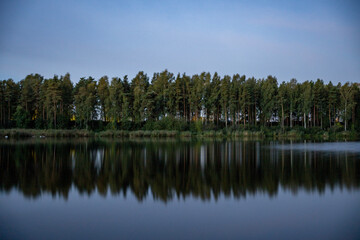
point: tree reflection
(171, 169)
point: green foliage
(85, 95)
(31, 95)
(21, 117)
(185, 134)
(196, 126)
(139, 87)
(126, 125)
(199, 103)
(347, 92)
(336, 129)
(167, 123)
(268, 101)
(224, 97)
(9, 98)
(103, 93)
(41, 123)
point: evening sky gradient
(305, 40)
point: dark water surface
(170, 189)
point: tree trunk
(184, 109)
(329, 116)
(345, 117)
(225, 117)
(314, 123)
(189, 111)
(206, 116)
(54, 115)
(319, 112)
(282, 116)
(291, 121)
(244, 117)
(255, 113)
(353, 116)
(238, 116)
(321, 122)
(62, 108)
(9, 110)
(304, 120)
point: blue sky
(305, 40)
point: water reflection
(347, 147)
(169, 169)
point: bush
(121, 133)
(166, 123)
(211, 133)
(336, 129)
(185, 134)
(22, 117)
(219, 134)
(196, 126)
(209, 126)
(137, 134)
(148, 126)
(126, 125)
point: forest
(178, 102)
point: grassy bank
(262, 134)
(26, 133)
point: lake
(179, 189)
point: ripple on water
(353, 147)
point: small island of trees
(201, 102)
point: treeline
(168, 102)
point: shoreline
(267, 134)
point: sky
(305, 39)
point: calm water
(87, 189)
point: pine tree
(139, 87)
(103, 92)
(225, 96)
(347, 101)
